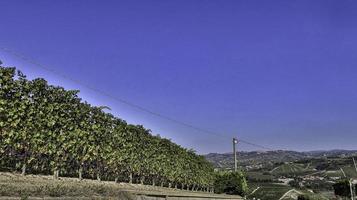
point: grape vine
(47, 129)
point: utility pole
(235, 141)
(351, 189)
(351, 183)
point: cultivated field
(291, 169)
(269, 191)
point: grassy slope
(291, 169)
(259, 176)
(15, 185)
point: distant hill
(314, 173)
(259, 159)
(273, 174)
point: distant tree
(342, 188)
(294, 183)
(303, 197)
(318, 185)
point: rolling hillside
(286, 174)
(291, 169)
(262, 159)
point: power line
(35, 63)
(256, 145)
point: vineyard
(45, 129)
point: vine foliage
(47, 129)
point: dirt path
(288, 192)
(274, 169)
(255, 190)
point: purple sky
(282, 74)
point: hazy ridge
(266, 158)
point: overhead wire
(123, 101)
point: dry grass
(45, 187)
(15, 185)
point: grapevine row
(47, 129)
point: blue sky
(277, 73)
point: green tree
(342, 188)
(303, 197)
(231, 183)
(8, 116)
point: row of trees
(47, 129)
